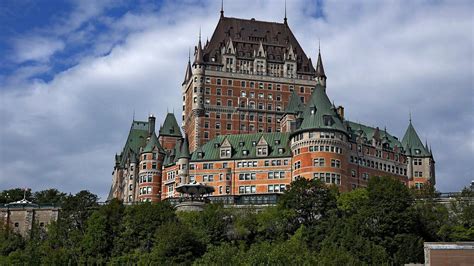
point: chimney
(151, 125)
(340, 112)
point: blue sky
(73, 72)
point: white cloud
(36, 48)
(382, 60)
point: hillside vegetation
(312, 224)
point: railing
(250, 199)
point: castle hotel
(255, 117)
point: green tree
(49, 196)
(15, 194)
(9, 241)
(139, 225)
(175, 243)
(389, 216)
(102, 229)
(211, 225)
(309, 200)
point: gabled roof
(319, 113)
(170, 127)
(153, 144)
(411, 142)
(246, 36)
(294, 105)
(355, 129)
(241, 142)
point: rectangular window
(319, 162)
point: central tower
(242, 78)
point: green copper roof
(247, 142)
(412, 143)
(356, 129)
(319, 113)
(152, 144)
(294, 105)
(136, 139)
(170, 126)
(184, 153)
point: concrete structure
(22, 215)
(445, 254)
(256, 115)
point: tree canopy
(385, 223)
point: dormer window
(225, 153)
(313, 110)
(277, 142)
(417, 151)
(200, 154)
(216, 145)
(254, 143)
(281, 150)
(328, 121)
(262, 151)
(241, 144)
(245, 152)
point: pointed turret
(198, 56)
(319, 113)
(411, 142)
(184, 153)
(319, 67)
(294, 105)
(189, 71)
(170, 126)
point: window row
(335, 163)
(418, 174)
(247, 164)
(145, 178)
(276, 188)
(364, 176)
(276, 175)
(145, 190)
(325, 148)
(380, 166)
(276, 162)
(247, 176)
(247, 189)
(328, 178)
(417, 161)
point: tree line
(385, 223)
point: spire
(222, 8)
(198, 56)
(189, 71)
(319, 65)
(285, 20)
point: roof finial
(189, 54)
(409, 113)
(222, 8)
(285, 19)
(319, 45)
(199, 33)
(133, 117)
